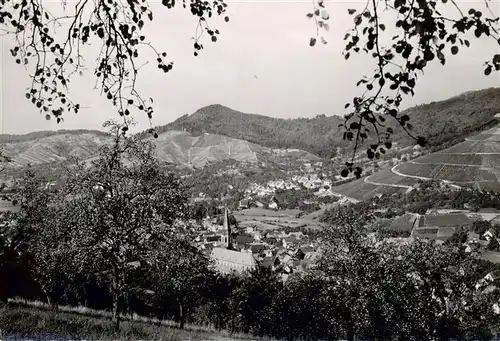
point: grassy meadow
(36, 321)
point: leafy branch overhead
(52, 59)
(423, 34)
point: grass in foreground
(40, 324)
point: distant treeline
(11, 138)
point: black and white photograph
(250, 170)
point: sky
(260, 64)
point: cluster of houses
(247, 249)
(442, 224)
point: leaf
(323, 41)
(421, 141)
(312, 41)
(382, 27)
(309, 15)
(325, 15)
(454, 49)
(351, 11)
(488, 70)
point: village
(243, 249)
(293, 251)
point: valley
(272, 203)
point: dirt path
(368, 181)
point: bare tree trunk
(4, 291)
(350, 334)
(116, 299)
(181, 316)
(47, 296)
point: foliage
(126, 204)
(481, 226)
(459, 237)
(117, 26)
(253, 298)
(179, 276)
(426, 33)
(493, 245)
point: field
(263, 219)
(388, 177)
(473, 163)
(360, 190)
(37, 322)
(458, 159)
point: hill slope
(216, 133)
(472, 163)
(438, 121)
(307, 134)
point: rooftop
(235, 257)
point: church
(227, 260)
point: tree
(481, 226)
(426, 34)
(252, 301)
(127, 204)
(493, 244)
(21, 226)
(178, 274)
(346, 264)
(459, 237)
(454, 302)
(304, 309)
(428, 291)
(219, 306)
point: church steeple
(227, 227)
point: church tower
(227, 227)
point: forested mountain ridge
(10, 138)
(439, 122)
(311, 134)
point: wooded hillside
(438, 121)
